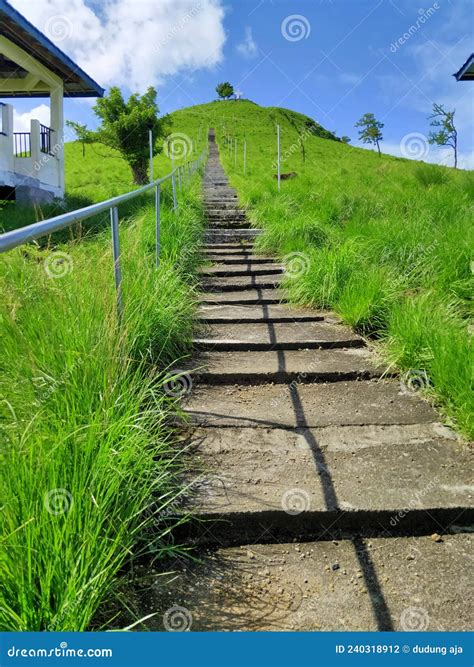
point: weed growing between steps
(88, 460)
(385, 242)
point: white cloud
(248, 46)
(132, 43)
(21, 121)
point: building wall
(41, 170)
(45, 171)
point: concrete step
(231, 284)
(239, 246)
(228, 224)
(218, 314)
(242, 249)
(285, 336)
(224, 213)
(218, 195)
(220, 204)
(234, 235)
(283, 367)
(307, 405)
(239, 223)
(293, 482)
(245, 258)
(221, 270)
(229, 235)
(248, 297)
(223, 204)
(216, 191)
(351, 584)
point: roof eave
(461, 74)
(91, 87)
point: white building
(31, 66)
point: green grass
(89, 463)
(386, 242)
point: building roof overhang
(466, 72)
(16, 29)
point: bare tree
(447, 134)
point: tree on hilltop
(371, 132)
(225, 90)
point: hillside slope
(384, 241)
(244, 119)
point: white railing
(179, 176)
(30, 155)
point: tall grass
(386, 242)
(88, 460)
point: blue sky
(332, 60)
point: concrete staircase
(324, 496)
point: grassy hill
(88, 459)
(386, 242)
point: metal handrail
(17, 237)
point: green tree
(83, 134)
(225, 90)
(125, 127)
(345, 139)
(447, 134)
(371, 132)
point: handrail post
(114, 221)
(179, 177)
(150, 141)
(157, 225)
(278, 162)
(173, 185)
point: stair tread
(307, 405)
